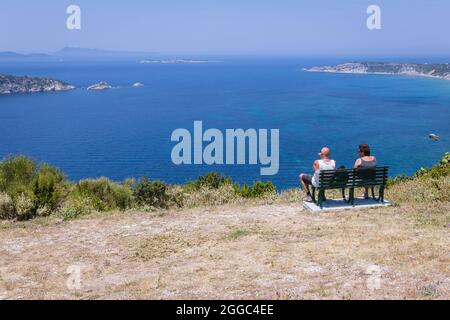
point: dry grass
(267, 248)
(421, 190)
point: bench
(350, 179)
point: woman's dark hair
(364, 149)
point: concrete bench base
(339, 204)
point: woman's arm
(357, 163)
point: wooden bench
(350, 179)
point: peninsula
(441, 71)
(17, 84)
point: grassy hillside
(29, 190)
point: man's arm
(315, 166)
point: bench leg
(351, 196)
(313, 195)
(343, 195)
(380, 194)
(321, 194)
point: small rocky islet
(100, 86)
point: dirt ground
(276, 251)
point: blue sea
(125, 132)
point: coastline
(379, 73)
(436, 71)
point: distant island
(73, 53)
(175, 61)
(16, 84)
(93, 54)
(441, 71)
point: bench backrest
(350, 178)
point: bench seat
(350, 179)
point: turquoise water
(125, 132)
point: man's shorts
(306, 178)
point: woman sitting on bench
(365, 161)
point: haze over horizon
(251, 27)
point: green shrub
(103, 194)
(49, 188)
(258, 190)
(75, 208)
(211, 180)
(428, 185)
(151, 193)
(245, 191)
(16, 175)
(33, 189)
(441, 169)
(129, 183)
(261, 189)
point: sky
(247, 27)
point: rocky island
(15, 84)
(441, 71)
(100, 86)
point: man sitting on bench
(324, 163)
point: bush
(16, 174)
(33, 189)
(211, 180)
(261, 189)
(428, 185)
(49, 188)
(129, 183)
(103, 194)
(258, 190)
(24, 206)
(151, 193)
(7, 210)
(176, 196)
(441, 169)
(75, 208)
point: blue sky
(265, 27)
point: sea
(126, 131)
